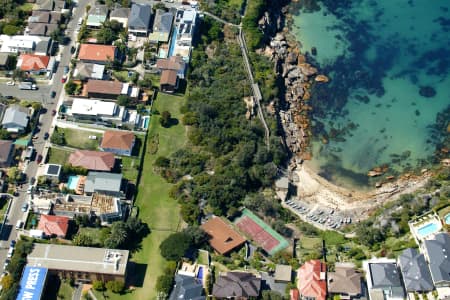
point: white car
(10, 83)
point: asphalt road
(9, 232)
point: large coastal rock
(321, 78)
(307, 69)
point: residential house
(52, 172)
(383, 279)
(187, 287)
(44, 46)
(103, 89)
(54, 225)
(104, 184)
(294, 294)
(15, 119)
(85, 70)
(223, 238)
(437, 253)
(237, 285)
(162, 27)
(6, 153)
(186, 28)
(139, 20)
(175, 63)
(36, 64)
(168, 81)
(97, 54)
(5, 60)
(17, 43)
(311, 282)
(80, 263)
(48, 17)
(345, 282)
(415, 272)
(94, 110)
(41, 29)
(92, 160)
(283, 273)
(97, 16)
(55, 5)
(118, 142)
(120, 14)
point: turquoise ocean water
(389, 95)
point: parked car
(46, 135)
(13, 243)
(53, 112)
(66, 70)
(64, 79)
(6, 264)
(32, 181)
(39, 159)
(53, 94)
(10, 83)
(24, 207)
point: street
(9, 232)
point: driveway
(41, 94)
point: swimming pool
(146, 121)
(200, 273)
(72, 183)
(447, 219)
(427, 229)
(173, 41)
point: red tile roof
(310, 283)
(117, 140)
(97, 52)
(32, 62)
(223, 237)
(92, 160)
(104, 87)
(168, 77)
(295, 295)
(54, 225)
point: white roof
(189, 16)
(134, 92)
(93, 107)
(125, 87)
(18, 41)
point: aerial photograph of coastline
(225, 149)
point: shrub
(116, 287)
(98, 285)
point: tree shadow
(52, 288)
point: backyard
(58, 156)
(156, 208)
(80, 138)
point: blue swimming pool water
(146, 121)
(427, 229)
(447, 219)
(72, 182)
(200, 273)
(173, 41)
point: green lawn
(156, 208)
(80, 138)
(310, 243)
(94, 233)
(27, 7)
(58, 156)
(129, 167)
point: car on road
(53, 112)
(66, 70)
(8, 97)
(10, 252)
(32, 181)
(12, 243)
(30, 189)
(46, 135)
(39, 159)
(10, 83)
(64, 79)
(5, 265)
(24, 207)
(53, 94)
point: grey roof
(5, 150)
(15, 115)
(98, 10)
(140, 16)
(415, 272)
(186, 288)
(4, 57)
(89, 70)
(237, 284)
(43, 45)
(120, 12)
(163, 21)
(438, 251)
(386, 276)
(100, 181)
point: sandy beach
(315, 190)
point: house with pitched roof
(139, 20)
(103, 89)
(104, 184)
(54, 225)
(36, 64)
(85, 70)
(55, 5)
(120, 14)
(41, 29)
(223, 238)
(97, 54)
(415, 272)
(97, 16)
(162, 27)
(92, 160)
(437, 253)
(237, 285)
(383, 279)
(312, 280)
(187, 287)
(168, 81)
(6, 153)
(15, 119)
(118, 142)
(175, 63)
(345, 281)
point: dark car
(39, 159)
(53, 94)
(66, 69)
(46, 135)
(53, 112)
(13, 243)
